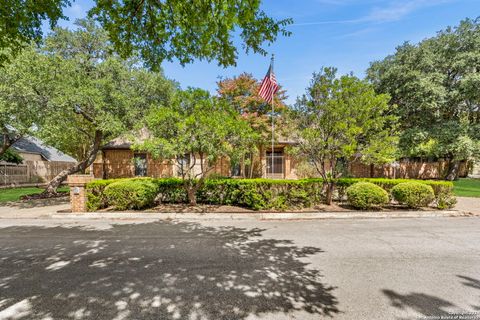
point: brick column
(78, 196)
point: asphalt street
(245, 269)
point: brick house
(118, 160)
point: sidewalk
(59, 209)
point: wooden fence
(30, 172)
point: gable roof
(125, 141)
(30, 144)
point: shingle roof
(30, 144)
(125, 141)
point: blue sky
(347, 34)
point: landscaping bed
(220, 195)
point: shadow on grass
(37, 203)
(156, 270)
(432, 306)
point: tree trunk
(79, 167)
(192, 196)
(329, 194)
(453, 170)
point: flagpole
(273, 122)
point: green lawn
(14, 194)
(467, 187)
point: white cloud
(392, 11)
(397, 10)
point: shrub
(131, 193)
(259, 194)
(413, 194)
(96, 198)
(443, 190)
(365, 195)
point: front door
(275, 164)
(140, 163)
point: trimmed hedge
(131, 194)
(257, 194)
(260, 194)
(413, 194)
(366, 195)
(443, 190)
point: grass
(14, 194)
(467, 187)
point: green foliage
(340, 118)
(21, 22)
(95, 190)
(257, 194)
(435, 85)
(164, 30)
(413, 194)
(75, 78)
(195, 130)
(11, 156)
(25, 84)
(365, 195)
(131, 193)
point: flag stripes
(269, 86)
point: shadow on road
(429, 305)
(156, 270)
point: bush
(365, 195)
(443, 190)
(96, 198)
(259, 194)
(131, 193)
(413, 194)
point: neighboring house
(40, 163)
(118, 160)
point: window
(235, 170)
(140, 164)
(278, 162)
(183, 164)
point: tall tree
(97, 95)
(241, 92)
(435, 85)
(25, 85)
(342, 119)
(195, 130)
(159, 30)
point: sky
(346, 34)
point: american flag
(269, 86)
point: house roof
(34, 145)
(125, 141)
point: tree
(25, 84)
(11, 156)
(340, 119)
(435, 85)
(241, 92)
(21, 23)
(97, 96)
(194, 132)
(158, 30)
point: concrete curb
(261, 216)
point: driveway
(239, 269)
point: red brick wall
(407, 170)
